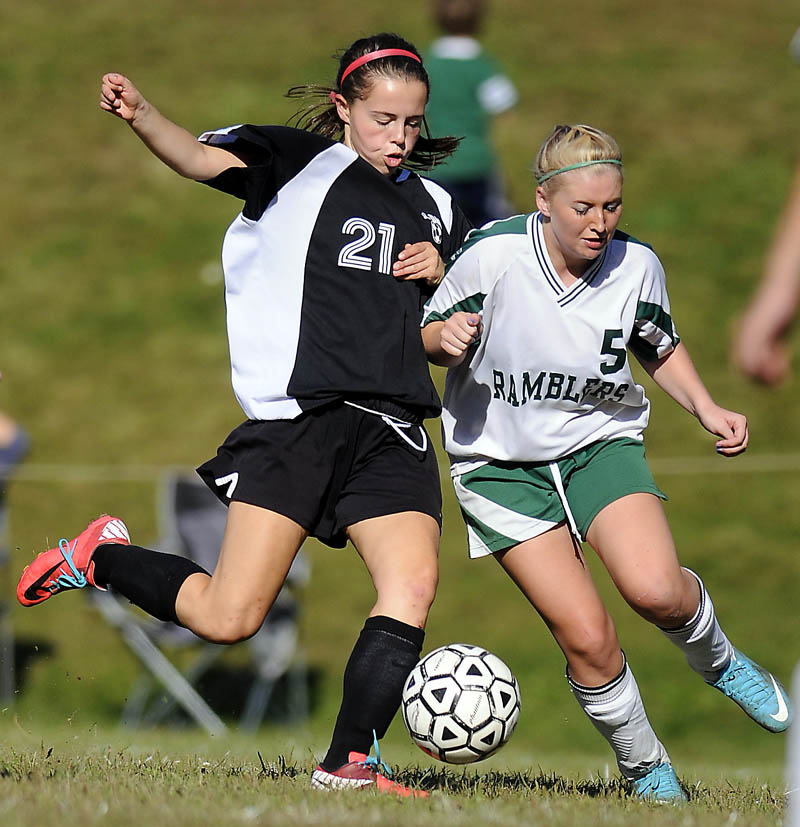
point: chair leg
(154, 659)
(163, 706)
(257, 702)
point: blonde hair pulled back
(570, 147)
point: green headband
(576, 166)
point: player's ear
(342, 106)
(542, 202)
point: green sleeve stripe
(658, 316)
(646, 351)
(472, 304)
(654, 313)
(643, 350)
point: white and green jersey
(550, 374)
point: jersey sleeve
(455, 225)
(469, 277)
(497, 92)
(458, 232)
(653, 335)
(272, 154)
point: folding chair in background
(192, 523)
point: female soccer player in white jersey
(543, 423)
(327, 269)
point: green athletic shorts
(505, 503)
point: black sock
(149, 579)
(384, 654)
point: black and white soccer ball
(460, 703)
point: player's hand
(459, 332)
(770, 365)
(120, 97)
(419, 261)
(730, 426)
(760, 352)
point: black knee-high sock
(385, 652)
(149, 579)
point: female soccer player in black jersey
(326, 272)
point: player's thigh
(401, 553)
(257, 551)
(551, 572)
(632, 538)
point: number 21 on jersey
(366, 234)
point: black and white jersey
(313, 311)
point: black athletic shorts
(329, 468)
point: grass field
(114, 356)
(84, 777)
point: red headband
(360, 61)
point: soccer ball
(460, 703)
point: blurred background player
(14, 444)
(761, 351)
(759, 348)
(544, 426)
(468, 89)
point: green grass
(90, 777)
(114, 354)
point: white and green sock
(617, 712)
(708, 650)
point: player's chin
(592, 249)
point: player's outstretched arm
(677, 376)
(171, 143)
(446, 343)
(759, 346)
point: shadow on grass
(495, 784)
(742, 797)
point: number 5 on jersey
(620, 354)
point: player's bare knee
(423, 589)
(660, 603)
(412, 596)
(593, 646)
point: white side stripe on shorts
(497, 518)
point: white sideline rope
(672, 466)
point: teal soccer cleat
(757, 692)
(661, 785)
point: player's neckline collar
(396, 177)
(564, 294)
